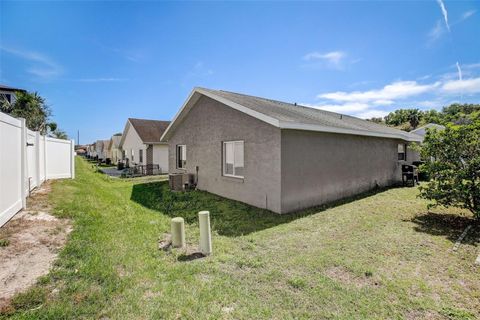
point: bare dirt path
(31, 242)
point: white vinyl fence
(27, 159)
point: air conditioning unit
(175, 181)
(181, 181)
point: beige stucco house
(140, 143)
(280, 156)
(114, 149)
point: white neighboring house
(115, 151)
(140, 143)
(101, 148)
(8, 93)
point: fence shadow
(450, 226)
(228, 217)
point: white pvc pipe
(178, 232)
(205, 234)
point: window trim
(177, 158)
(224, 150)
(404, 152)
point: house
(91, 151)
(141, 145)
(114, 148)
(281, 156)
(8, 93)
(106, 151)
(101, 147)
(422, 131)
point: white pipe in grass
(178, 232)
(205, 234)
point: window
(233, 159)
(140, 155)
(402, 151)
(181, 156)
(123, 154)
(133, 155)
(7, 97)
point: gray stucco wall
(207, 125)
(318, 168)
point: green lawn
(378, 256)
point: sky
(99, 63)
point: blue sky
(98, 63)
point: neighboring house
(141, 144)
(107, 154)
(422, 131)
(8, 93)
(101, 148)
(280, 156)
(114, 148)
(91, 150)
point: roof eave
(318, 128)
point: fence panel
(27, 159)
(59, 158)
(11, 170)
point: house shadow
(451, 226)
(228, 217)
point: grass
(378, 256)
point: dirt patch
(34, 240)
(345, 277)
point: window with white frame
(402, 151)
(233, 159)
(181, 156)
(133, 155)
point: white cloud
(444, 13)
(468, 14)
(436, 32)
(459, 71)
(333, 59)
(41, 65)
(393, 91)
(462, 86)
(372, 114)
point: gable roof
(105, 145)
(285, 115)
(115, 141)
(423, 129)
(12, 89)
(149, 131)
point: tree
(414, 117)
(31, 107)
(59, 134)
(454, 167)
(402, 116)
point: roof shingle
(149, 131)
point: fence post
(44, 158)
(23, 145)
(72, 159)
(37, 158)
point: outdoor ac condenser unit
(176, 181)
